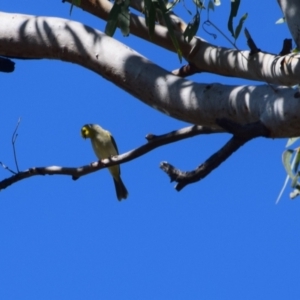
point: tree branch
(195, 103)
(205, 56)
(13, 141)
(154, 141)
(186, 70)
(241, 135)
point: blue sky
(221, 238)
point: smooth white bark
(263, 67)
(54, 38)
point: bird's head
(90, 130)
(86, 131)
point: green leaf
(112, 21)
(282, 189)
(150, 16)
(280, 21)
(199, 3)
(235, 4)
(291, 141)
(233, 13)
(171, 5)
(124, 22)
(169, 25)
(240, 26)
(294, 193)
(286, 159)
(296, 160)
(118, 16)
(211, 5)
(124, 18)
(295, 181)
(192, 28)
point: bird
(105, 146)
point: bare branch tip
(164, 165)
(7, 168)
(13, 140)
(150, 137)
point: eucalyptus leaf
(171, 5)
(294, 193)
(295, 181)
(280, 21)
(282, 189)
(168, 22)
(235, 4)
(192, 28)
(291, 141)
(286, 159)
(112, 21)
(118, 16)
(211, 5)
(296, 161)
(239, 27)
(233, 13)
(199, 3)
(150, 16)
(124, 18)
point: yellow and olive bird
(105, 146)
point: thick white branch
(264, 67)
(54, 38)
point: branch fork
(241, 135)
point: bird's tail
(121, 190)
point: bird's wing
(114, 143)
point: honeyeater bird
(105, 146)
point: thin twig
(209, 23)
(7, 168)
(13, 140)
(154, 141)
(241, 135)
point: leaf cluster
(235, 4)
(159, 11)
(292, 168)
